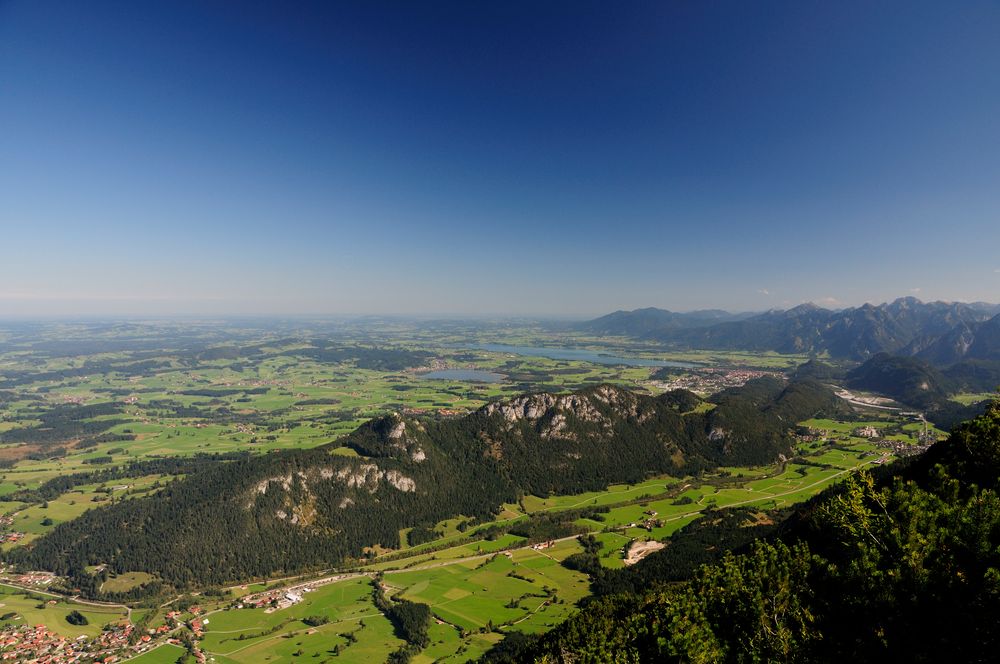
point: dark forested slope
(917, 384)
(293, 510)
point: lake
(470, 375)
(582, 355)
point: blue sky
(553, 158)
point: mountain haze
(640, 322)
(904, 326)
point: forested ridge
(290, 511)
(899, 566)
(917, 384)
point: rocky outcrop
(554, 413)
(297, 488)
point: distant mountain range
(942, 332)
(642, 322)
(965, 341)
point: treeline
(222, 391)
(63, 422)
(364, 357)
(124, 368)
(55, 487)
(89, 585)
(701, 542)
(215, 526)
(214, 413)
(410, 621)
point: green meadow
(42, 608)
(255, 392)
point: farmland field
(34, 608)
(137, 406)
(164, 654)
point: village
(36, 643)
(120, 640)
(277, 599)
(711, 380)
(924, 439)
(6, 536)
(273, 600)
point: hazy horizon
(562, 161)
(421, 316)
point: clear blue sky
(495, 157)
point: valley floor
(261, 393)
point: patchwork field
(258, 635)
(84, 405)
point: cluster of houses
(273, 600)
(36, 643)
(811, 434)
(199, 654)
(442, 412)
(925, 438)
(6, 521)
(34, 579)
(196, 624)
(262, 382)
(712, 380)
(116, 637)
(902, 448)
(651, 521)
(282, 598)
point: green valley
(249, 493)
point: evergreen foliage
(243, 517)
(900, 567)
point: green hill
(295, 510)
(906, 379)
(903, 567)
(917, 384)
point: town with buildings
(710, 380)
(36, 643)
